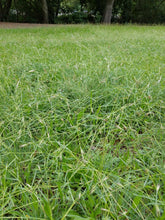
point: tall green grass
(82, 123)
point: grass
(82, 123)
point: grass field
(82, 123)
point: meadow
(82, 123)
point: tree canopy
(83, 11)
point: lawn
(82, 123)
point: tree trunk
(108, 11)
(45, 12)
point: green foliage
(75, 18)
(70, 6)
(26, 11)
(4, 9)
(75, 11)
(78, 18)
(97, 5)
(82, 119)
(139, 11)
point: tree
(108, 11)
(139, 11)
(104, 7)
(4, 9)
(45, 12)
(33, 11)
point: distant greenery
(82, 121)
(82, 11)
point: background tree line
(83, 11)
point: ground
(22, 25)
(82, 121)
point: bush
(78, 18)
